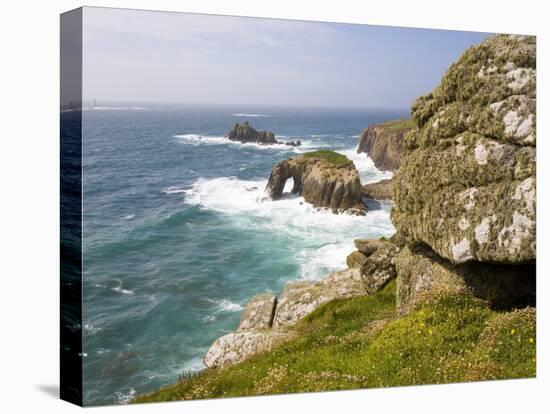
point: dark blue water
(178, 236)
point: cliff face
(385, 143)
(323, 178)
(467, 185)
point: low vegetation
(398, 125)
(330, 156)
(363, 343)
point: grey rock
(299, 299)
(379, 268)
(368, 246)
(258, 313)
(421, 271)
(236, 347)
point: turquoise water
(178, 234)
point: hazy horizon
(165, 58)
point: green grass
(362, 343)
(398, 125)
(330, 156)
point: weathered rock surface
(236, 347)
(321, 183)
(467, 186)
(356, 259)
(245, 133)
(420, 270)
(379, 267)
(260, 330)
(381, 190)
(385, 143)
(299, 299)
(258, 313)
(368, 246)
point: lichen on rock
(421, 271)
(236, 347)
(467, 185)
(379, 267)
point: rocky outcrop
(375, 259)
(299, 299)
(385, 143)
(420, 271)
(263, 321)
(245, 133)
(368, 246)
(236, 347)
(467, 186)
(356, 259)
(379, 268)
(381, 190)
(323, 178)
(258, 313)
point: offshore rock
(245, 133)
(323, 178)
(467, 186)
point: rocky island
(450, 296)
(246, 134)
(324, 178)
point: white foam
(327, 237)
(128, 217)
(251, 115)
(227, 306)
(365, 165)
(118, 289)
(173, 190)
(208, 318)
(197, 139)
(125, 397)
(194, 364)
(90, 329)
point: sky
(161, 57)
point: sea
(178, 234)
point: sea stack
(323, 178)
(245, 133)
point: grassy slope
(398, 125)
(360, 342)
(330, 156)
